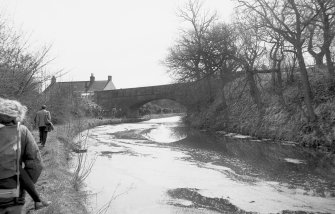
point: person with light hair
(11, 114)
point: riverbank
(278, 120)
(156, 116)
(57, 183)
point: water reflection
(161, 167)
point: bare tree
(250, 50)
(22, 71)
(289, 19)
(206, 51)
(322, 32)
(185, 59)
(277, 56)
(219, 56)
(314, 43)
(290, 65)
(327, 15)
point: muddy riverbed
(160, 166)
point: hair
(12, 109)
(44, 107)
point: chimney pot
(92, 78)
(53, 79)
(109, 78)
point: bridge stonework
(131, 99)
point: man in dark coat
(42, 119)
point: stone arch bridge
(130, 100)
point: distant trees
(164, 106)
(205, 50)
(187, 58)
(267, 36)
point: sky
(126, 39)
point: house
(80, 88)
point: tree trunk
(223, 107)
(279, 87)
(254, 92)
(306, 86)
(209, 89)
(273, 77)
(330, 64)
(328, 36)
(197, 70)
(290, 70)
(319, 59)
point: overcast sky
(126, 39)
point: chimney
(109, 78)
(92, 78)
(53, 80)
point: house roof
(97, 86)
(110, 86)
(74, 86)
(83, 86)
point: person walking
(42, 120)
(11, 114)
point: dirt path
(55, 182)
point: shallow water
(159, 166)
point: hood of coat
(12, 109)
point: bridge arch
(130, 99)
(143, 102)
(158, 106)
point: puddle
(292, 160)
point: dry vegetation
(65, 171)
(274, 64)
(55, 183)
(278, 123)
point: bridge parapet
(187, 94)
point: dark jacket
(31, 158)
(42, 117)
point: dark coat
(42, 117)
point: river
(161, 166)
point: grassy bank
(280, 121)
(55, 183)
(58, 183)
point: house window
(85, 95)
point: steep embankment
(281, 121)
